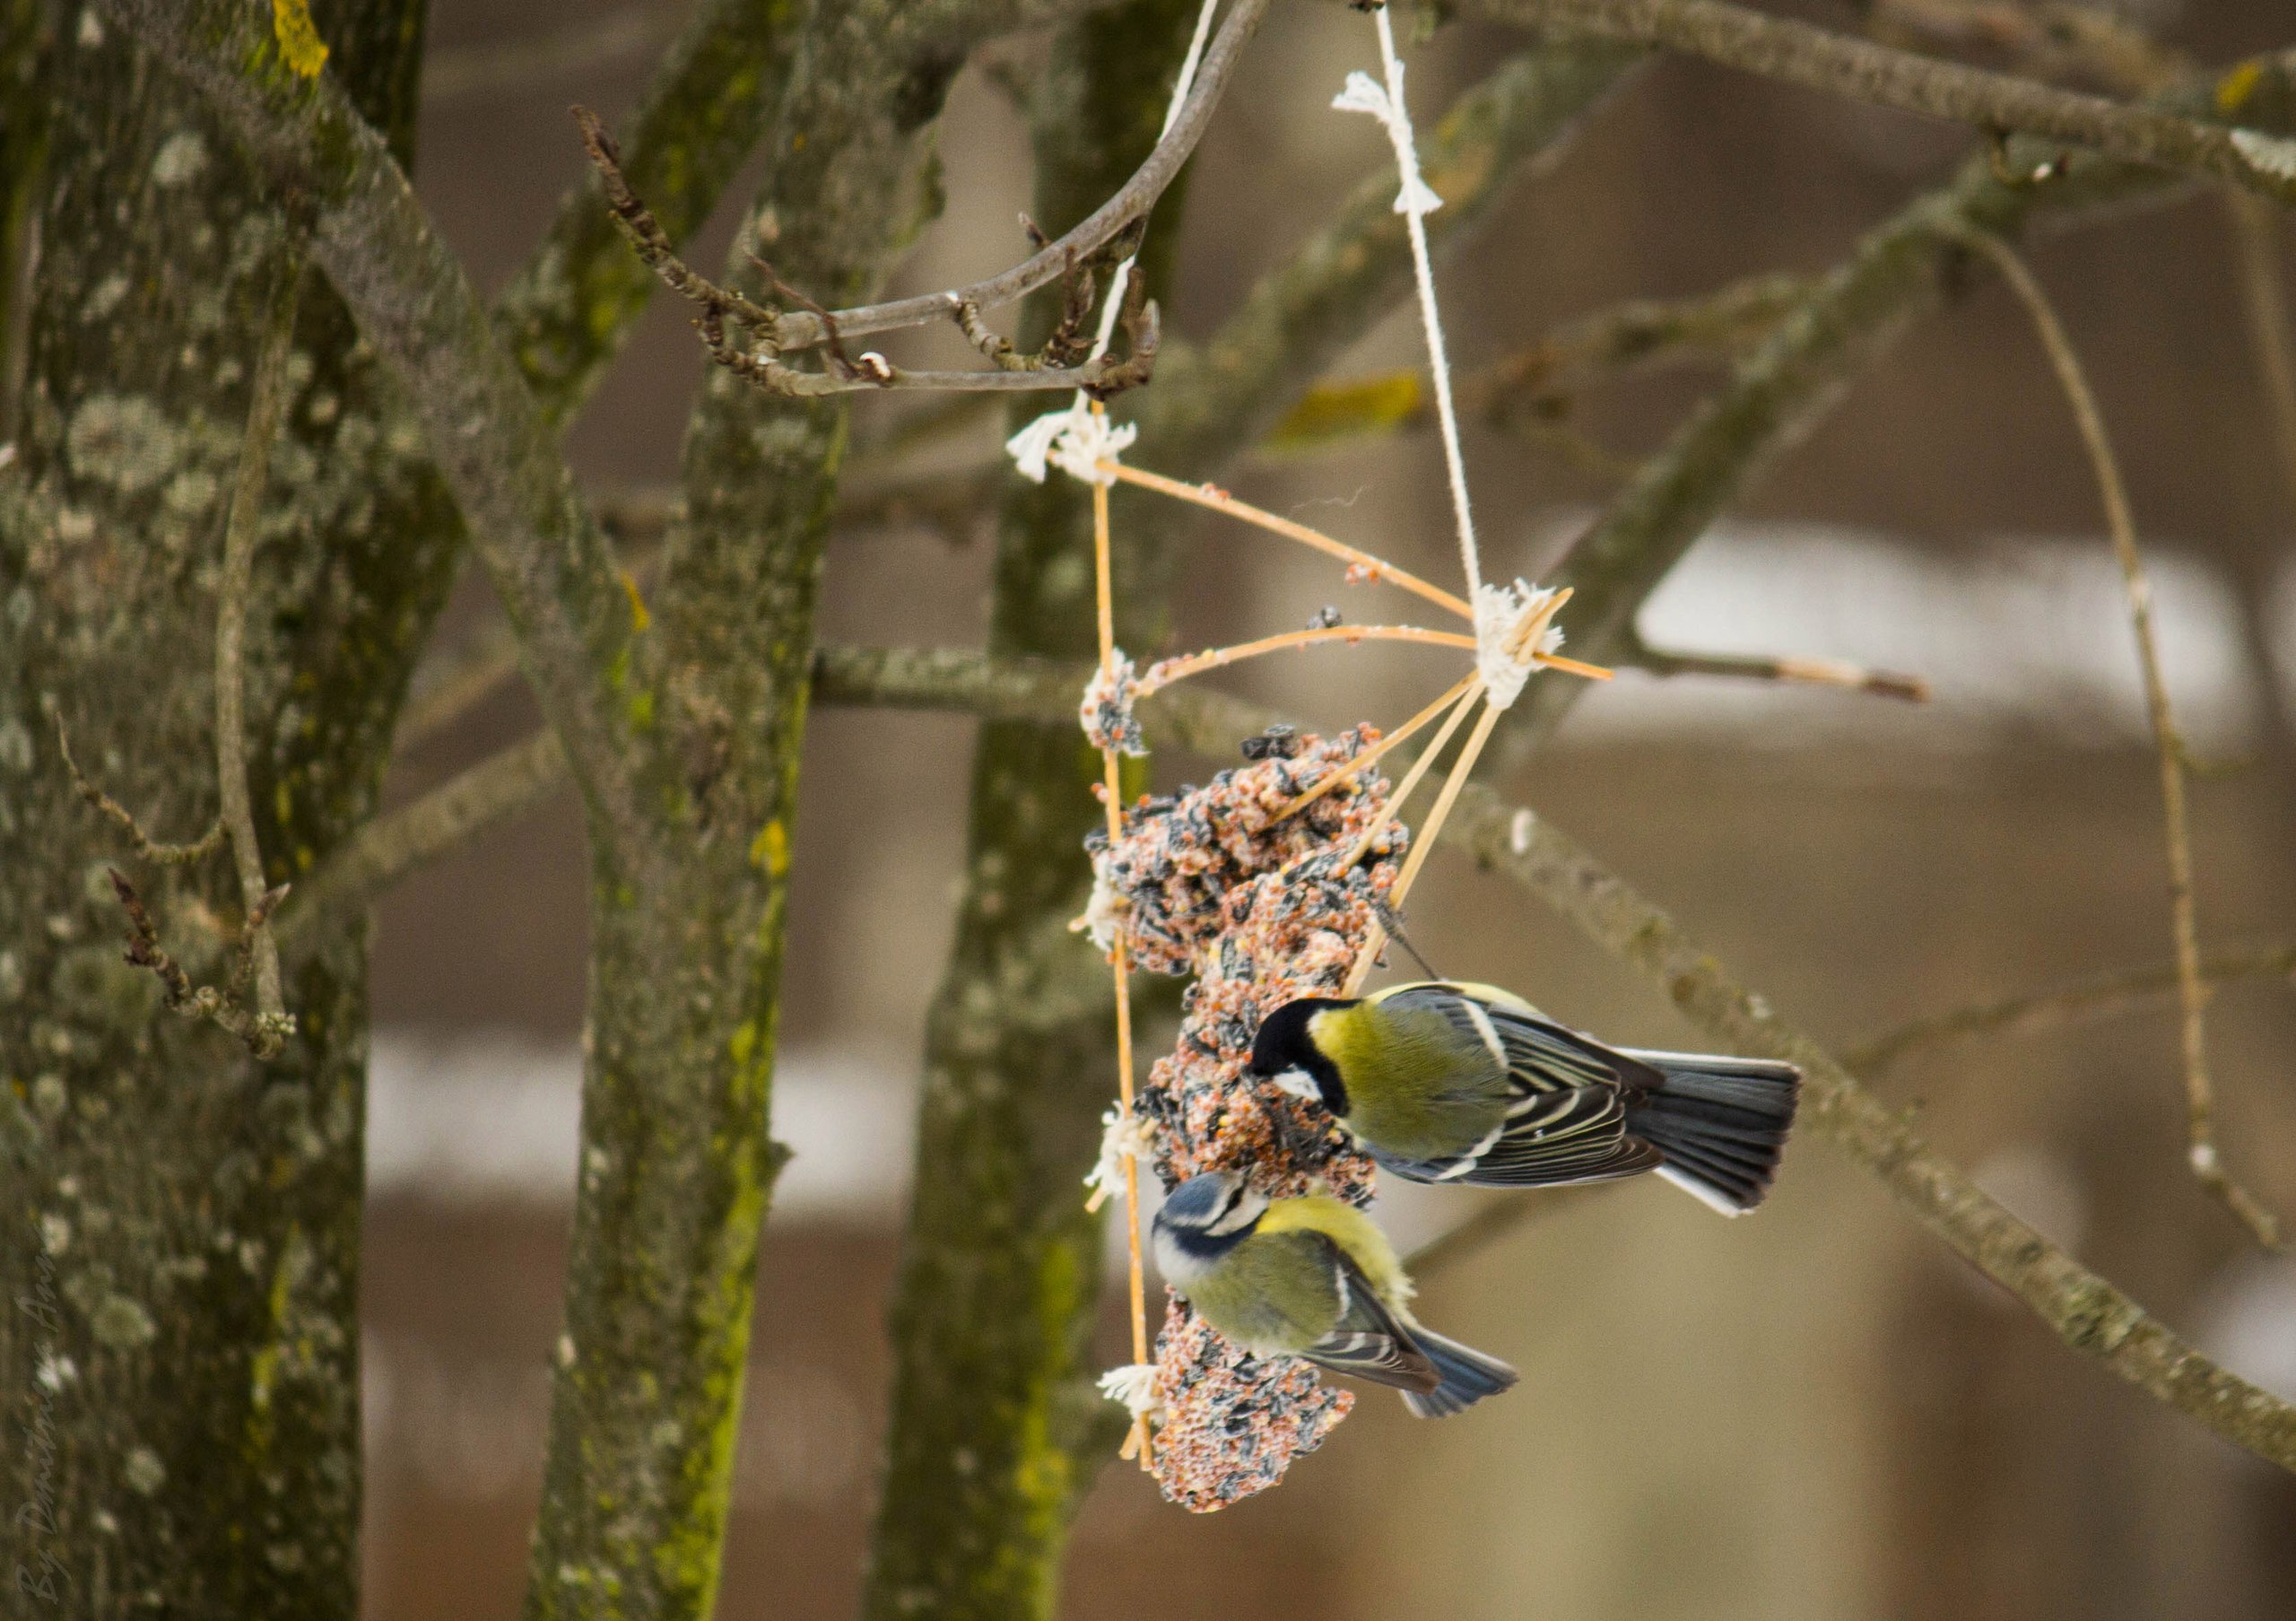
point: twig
(759, 361)
(1800, 54)
(387, 847)
(262, 1036)
(2200, 1107)
(266, 400)
(1217, 500)
(149, 848)
(1131, 202)
(2082, 1001)
(1639, 655)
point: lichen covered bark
(183, 1218)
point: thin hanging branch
(2200, 1098)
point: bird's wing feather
(1370, 1341)
(1567, 1122)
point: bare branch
(1131, 202)
(1800, 54)
(261, 1033)
(391, 846)
(158, 854)
(266, 399)
(2082, 1001)
(759, 360)
(1640, 654)
(2086, 1312)
(2200, 1102)
(1902, 270)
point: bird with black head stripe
(1444, 1081)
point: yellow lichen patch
(1371, 405)
(770, 850)
(2234, 88)
(639, 618)
(300, 45)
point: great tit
(1312, 1277)
(1448, 1082)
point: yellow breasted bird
(1443, 1081)
(1312, 1277)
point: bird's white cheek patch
(1301, 1085)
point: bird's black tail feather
(1468, 1376)
(1719, 1123)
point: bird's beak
(1301, 1085)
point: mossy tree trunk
(182, 1220)
(677, 1164)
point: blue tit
(1312, 1277)
(1444, 1082)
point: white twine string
(1122, 1136)
(1074, 439)
(1499, 610)
(1415, 201)
(1134, 1385)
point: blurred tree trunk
(182, 1219)
(1001, 1266)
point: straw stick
(1138, 1440)
(1219, 501)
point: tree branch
(2085, 1310)
(2168, 743)
(1130, 202)
(1777, 47)
(1903, 269)
(416, 305)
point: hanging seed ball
(1233, 1422)
(1215, 881)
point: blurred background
(1819, 1413)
